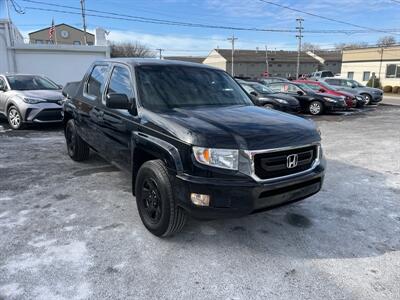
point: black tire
(269, 106)
(367, 98)
(14, 118)
(77, 148)
(155, 201)
(315, 108)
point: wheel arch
(145, 148)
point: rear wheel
(155, 201)
(315, 108)
(14, 118)
(77, 148)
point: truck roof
(153, 61)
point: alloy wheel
(315, 108)
(14, 118)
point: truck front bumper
(235, 198)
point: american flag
(52, 30)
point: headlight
(330, 99)
(282, 101)
(33, 100)
(219, 158)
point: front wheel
(14, 118)
(77, 148)
(315, 108)
(155, 201)
(269, 106)
(367, 99)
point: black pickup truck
(191, 139)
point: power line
(132, 18)
(323, 17)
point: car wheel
(155, 201)
(77, 148)
(315, 108)
(14, 118)
(367, 99)
(269, 106)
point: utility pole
(380, 64)
(299, 36)
(266, 59)
(84, 21)
(232, 40)
(160, 51)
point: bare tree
(130, 49)
(386, 41)
(310, 47)
(355, 45)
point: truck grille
(269, 165)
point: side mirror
(60, 86)
(254, 94)
(321, 90)
(353, 86)
(300, 93)
(118, 101)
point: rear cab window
(95, 83)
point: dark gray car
(28, 99)
(371, 95)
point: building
(64, 35)
(194, 59)
(61, 63)
(360, 64)
(252, 63)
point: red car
(322, 87)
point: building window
(279, 65)
(77, 42)
(366, 76)
(392, 71)
(350, 75)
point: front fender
(158, 148)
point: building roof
(257, 56)
(390, 53)
(195, 59)
(47, 28)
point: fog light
(200, 200)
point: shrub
(377, 83)
(387, 89)
(396, 89)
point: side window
(314, 87)
(333, 81)
(276, 87)
(120, 82)
(96, 81)
(2, 84)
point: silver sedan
(28, 99)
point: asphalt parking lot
(72, 231)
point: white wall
(60, 63)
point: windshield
(30, 82)
(261, 88)
(328, 86)
(305, 87)
(169, 87)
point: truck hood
(233, 127)
(51, 95)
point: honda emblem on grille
(291, 161)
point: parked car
(322, 87)
(264, 96)
(310, 101)
(371, 95)
(268, 80)
(321, 74)
(192, 139)
(26, 99)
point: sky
(180, 40)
